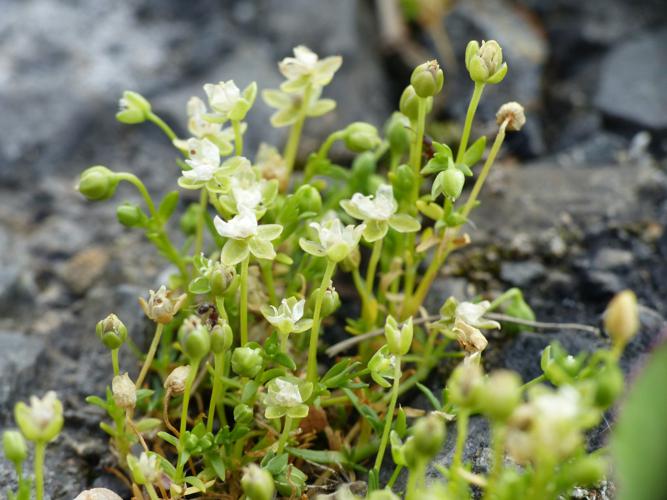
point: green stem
(389, 416)
(372, 266)
(238, 137)
(314, 334)
(498, 441)
(40, 449)
(283, 342)
(267, 276)
(326, 145)
(136, 182)
(470, 115)
(151, 354)
(162, 124)
(414, 479)
(533, 382)
(461, 434)
(470, 202)
(194, 367)
(219, 362)
(201, 218)
(394, 476)
(114, 362)
(243, 312)
(285, 434)
(292, 146)
(151, 492)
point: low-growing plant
(234, 397)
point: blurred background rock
(574, 212)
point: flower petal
(261, 249)
(404, 223)
(234, 252)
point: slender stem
(267, 276)
(219, 361)
(151, 492)
(283, 342)
(314, 334)
(136, 182)
(394, 476)
(470, 203)
(326, 145)
(372, 266)
(114, 362)
(390, 415)
(470, 115)
(151, 354)
(285, 434)
(414, 478)
(40, 449)
(201, 219)
(238, 137)
(498, 431)
(194, 368)
(461, 434)
(243, 312)
(292, 146)
(162, 124)
(535, 381)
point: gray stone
(19, 355)
(613, 259)
(521, 273)
(633, 82)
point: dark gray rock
(632, 83)
(521, 273)
(19, 356)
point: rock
(81, 271)
(98, 494)
(521, 273)
(632, 82)
(613, 259)
(19, 356)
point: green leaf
(108, 429)
(97, 401)
(165, 436)
(283, 359)
(277, 464)
(200, 285)
(148, 424)
(318, 456)
(168, 205)
(475, 152)
(429, 395)
(639, 441)
(249, 391)
(216, 462)
(196, 482)
(365, 411)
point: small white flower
(333, 232)
(559, 406)
(43, 411)
(241, 226)
(306, 67)
(197, 124)
(472, 314)
(288, 393)
(379, 207)
(149, 467)
(287, 317)
(222, 97)
(204, 159)
(246, 187)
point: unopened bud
(243, 413)
(133, 108)
(427, 79)
(621, 319)
(221, 338)
(397, 133)
(513, 113)
(308, 199)
(402, 181)
(124, 392)
(485, 63)
(130, 215)
(399, 340)
(111, 331)
(360, 137)
(195, 339)
(175, 381)
(464, 384)
(452, 181)
(247, 361)
(222, 278)
(145, 469)
(352, 261)
(257, 483)
(97, 183)
(500, 394)
(429, 433)
(409, 103)
(14, 447)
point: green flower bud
(222, 279)
(130, 215)
(621, 319)
(429, 434)
(360, 137)
(195, 339)
(42, 421)
(464, 384)
(352, 261)
(243, 413)
(111, 331)
(247, 361)
(402, 181)
(133, 108)
(97, 183)
(427, 79)
(500, 394)
(257, 483)
(399, 340)
(408, 104)
(452, 182)
(587, 470)
(397, 132)
(14, 446)
(608, 385)
(222, 338)
(330, 302)
(308, 199)
(485, 63)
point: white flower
(288, 393)
(287, 317)
(223, 97)
(44, 410)
(306, 67)
(240, 227)
(335, 241)
(246, 187)
(197, 124)
(204, 159)
(379, 207)
(558, 406)
(472, 314)
(149, 467)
